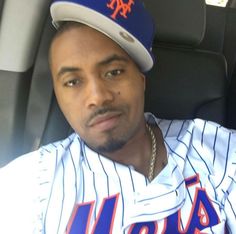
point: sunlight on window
(221, 3)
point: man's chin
(109, 147)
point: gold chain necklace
(153, 155)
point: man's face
(98, 87)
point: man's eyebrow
(64, 70)
(112, 58)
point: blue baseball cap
(126, 22)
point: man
(122, 171)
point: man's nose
(99, 93)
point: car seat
(185, 82)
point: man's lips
(105, 121)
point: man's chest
(148, 213)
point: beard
(114, 139)
(111, 145)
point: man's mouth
(105, 121)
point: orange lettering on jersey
(203, 216)
(118, 6)
(197, 231)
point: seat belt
(41, 93)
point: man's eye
(114, 73)
(72, 83)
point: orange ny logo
(120, 7)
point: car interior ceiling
(194, 75)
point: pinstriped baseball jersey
(68, 188)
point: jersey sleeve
(217, 145)
(230, 202)
(225, 173)
(18, 195)
(230, 208)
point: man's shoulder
(203, 147)
(205, 139)
(18, 187)
(21, 180)
(18, 165)
(172, 128)
(214, 135)
(202, 134)
(60, 145)
(24, 164)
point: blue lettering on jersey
(201, 216)
(81, 217)
(104, 223)
(145, 227)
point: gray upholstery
(179, 22)
(44, 121)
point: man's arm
(17, 195)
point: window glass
(220, 3)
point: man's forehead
(67, 25)
(83, 36)
(74, 27)
(71, 49)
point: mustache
(102, 111)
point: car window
(220, 3)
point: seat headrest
(179, 22)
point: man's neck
(135, 152)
